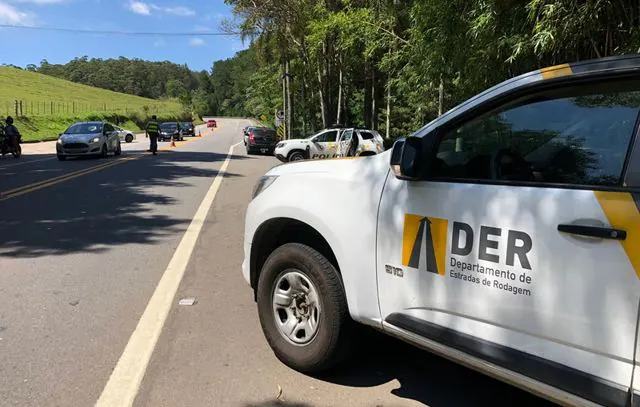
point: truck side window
(577, 137)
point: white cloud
(159, 43)
(11, 15)
(143, 8)
(139, 7)
(179, 11)
(196, 42)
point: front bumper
(78, 149)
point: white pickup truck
(503, 235)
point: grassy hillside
(50, 104)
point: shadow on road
(111, 207)
(424, 377)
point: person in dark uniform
(152, 131)
(12, 132)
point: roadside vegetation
(47, 105)
(395, 65)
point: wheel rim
(296, 157)
(296, 307)
(129, 139)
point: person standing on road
(152, 131)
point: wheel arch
(279, 231)
(366, 154)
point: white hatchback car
(125, 135)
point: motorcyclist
(12, 133)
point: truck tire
(303, 309)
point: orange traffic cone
(199, 133)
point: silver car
(125, 135)
(88, 138)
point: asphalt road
(85, 243)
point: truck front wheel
(303, 309)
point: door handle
(594, 231)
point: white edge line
(125, 380)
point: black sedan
(170, 130)
(187, 129)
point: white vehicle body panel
(373, 145)
(580, 307)
(295, 195)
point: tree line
(394, 65)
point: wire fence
(19, 108)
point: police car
(317, 146)
(359, 143)
(504, 235)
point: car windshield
(186, 124)
(84, 128)
(168, 126)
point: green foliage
(396, 55)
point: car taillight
(252, 139)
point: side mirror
(406, 158)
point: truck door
(522, 244)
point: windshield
(186, 124)
(84, 128)
(168, 126)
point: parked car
(169, 130)
(261, 139)
(245, 133)
(212, 123)
(317, 146)
(125, 135)
(88, 138)
(359, 143)
(503, 235)
(187, 129)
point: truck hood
(329, 165)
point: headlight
(279, 145)
(95, 139)
(263, 183)
(59, 141)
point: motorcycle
(6, 146)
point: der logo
(425, 243)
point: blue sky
(23, 46)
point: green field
(48, 105)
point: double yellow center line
(12, 193)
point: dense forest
(394, 65)
(133, 76)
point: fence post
(52, 107)
(16, 108)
